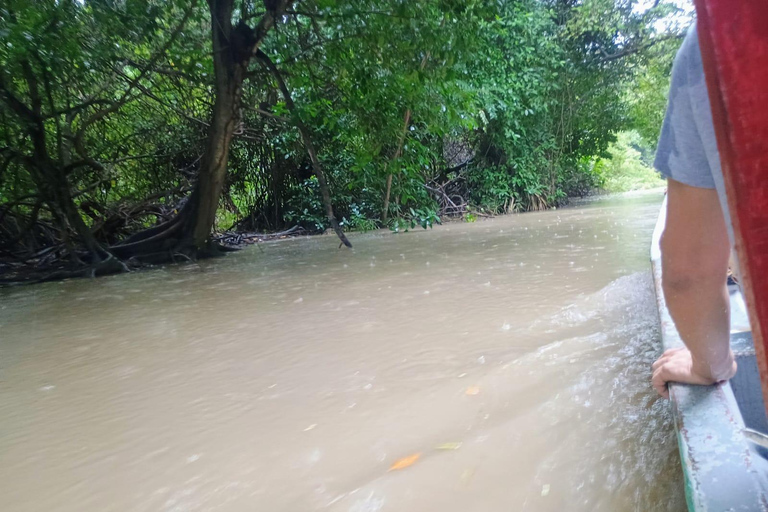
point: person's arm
(694, 259)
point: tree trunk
(213, 166)
(61, 200)
(233, 49)
(395, 157)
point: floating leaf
(545, 490)
(449, 446)
(472, 391)
(405, 462)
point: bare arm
(694, 260)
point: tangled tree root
(111, 265)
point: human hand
(677, 365)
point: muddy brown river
(501, 365)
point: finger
(659, 382)
(661, 379)
(666, 356)
(662, 391)
(663, 358)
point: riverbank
(51, 265)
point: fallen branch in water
(246, 238)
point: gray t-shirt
(687, 149)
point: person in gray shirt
(698, 236)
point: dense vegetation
(628, 166)
(136, 130)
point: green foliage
(492, 188)
(100, 79)
(626, 168)
(553, 87)
(423, 217)
(532, 92)
(358, 221)
(305, 206)
(647, 99)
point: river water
(511, 355)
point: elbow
(678, 281)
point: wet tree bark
(229, 64)
(233, 49)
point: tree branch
(637, 47)
(126, 96)
(151, 95)
(15, 104)
(308, 145)
(78, 107)
(348, 14)
(266, 23)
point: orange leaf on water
(405, 462)
(474, 390)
